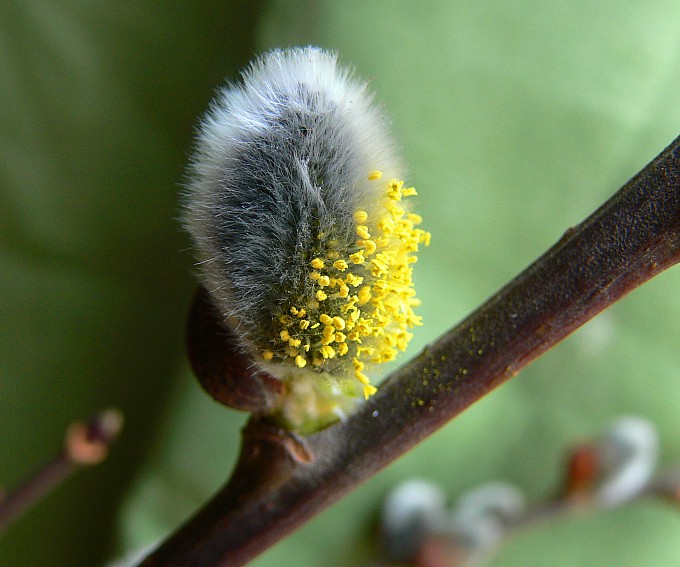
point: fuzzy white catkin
(279, 158)
(303, 229)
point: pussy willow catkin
(298, 210)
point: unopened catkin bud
(304, 235)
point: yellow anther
(362, 230)
(369, 391)
(317, 263)
(380, 268)
(267, 355)
(329, 331)
(369, 246)
(358, 257)
(340, 265)
(364, 295)
(395, 185)
(360, 217)
(327, 351)
(353, 280)
(300, 361)
(374, 175)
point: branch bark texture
(282, 480)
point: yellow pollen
(366, 288)
(360, 217)
(362, 230)
(327, 351)
(353, 280)
(369, 391)
(364, 295)
(368, 245)
(357, 257)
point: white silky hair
(281, 157)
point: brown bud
(227, 373)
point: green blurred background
(517, 119)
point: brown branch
(84, 444)
(281, 481)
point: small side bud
(480, 517)
(628, 453)
(222, 368)
(412, 513)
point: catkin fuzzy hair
(294, 205)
